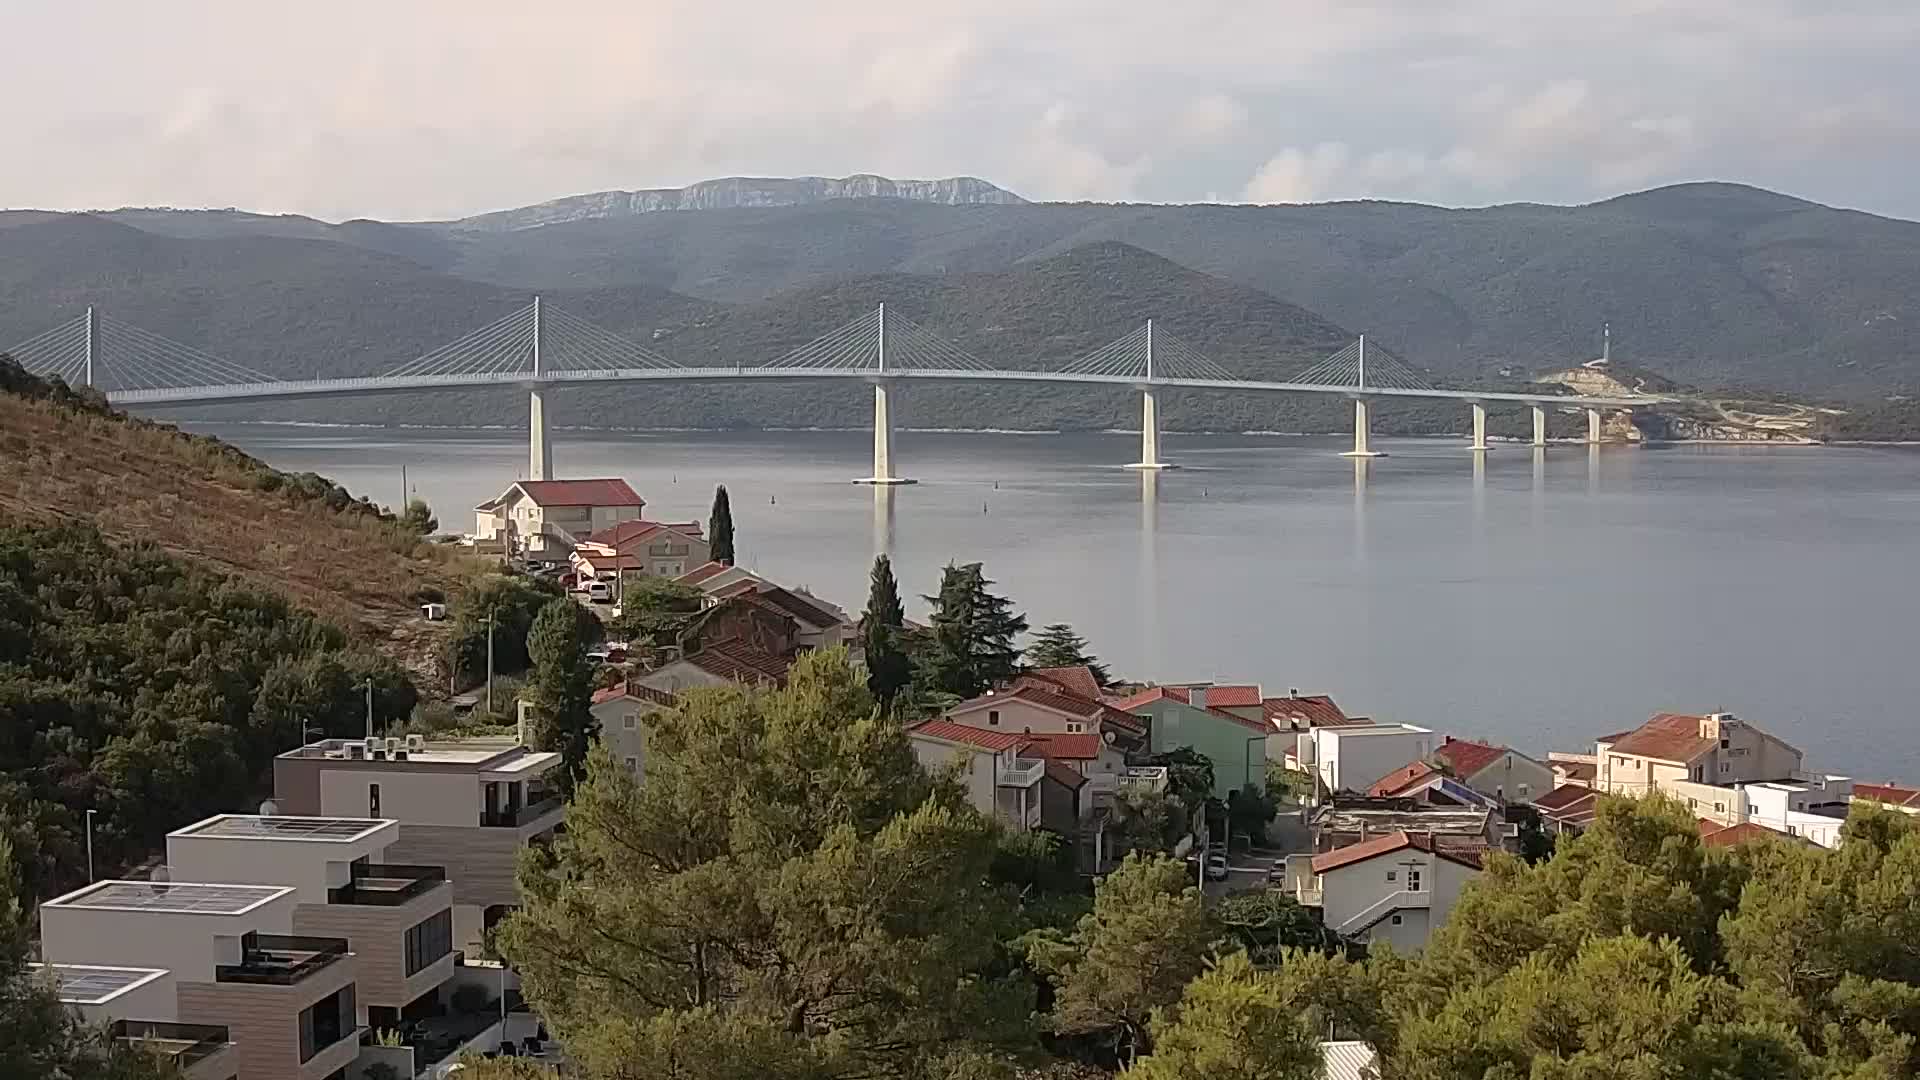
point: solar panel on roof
(176, 897)
(290, 828)
(87, 986)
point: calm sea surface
(1539, 599)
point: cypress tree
(1056, 645)
(720, 527)
(971, 647)
(883, 634)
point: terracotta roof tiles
(1666, 737)
(1891, 794)
(1233, 697)
(1466, 757)
(1081, 747)
(1065, 775)
(1402, 779)
(737, 661)
(1395, 841)
(609, 491)
(1077, 679)
(949, 731)
(1316, 710)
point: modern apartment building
(109, 995)
(466, 805)
(289, 1002)
(397, 918)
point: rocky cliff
(739, 191)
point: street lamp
(90, 814)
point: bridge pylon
(883, 473)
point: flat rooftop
(171, 897)
(90, 984)
(255, 827)
(493, 753)
(1381, 822)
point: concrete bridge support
(882, 441)
(1149, 433)
(1362, 446)
(1593, 426)
(1479, 428)
(540, 445)
(1539, 425)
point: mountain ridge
(732, 192)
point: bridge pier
(1479, 444)
(882, 441)
(1362, 446)
(1539, 425)
(1150, 433)
(540, 445)
(1593, 426)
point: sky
(411, 109)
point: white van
(600, 592)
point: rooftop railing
(387, 884)
(185, 1045)
(280, 959)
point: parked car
(1217, 867)
(599, 592)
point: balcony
(387, 885)
(1144, 779)
(516, 816)
(1024, 772)
(280, 959)
(181, 1045)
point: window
(1719, 808)
(428, 941)
(1500, 791)
(1726, 767)
(993, 717)
(1074, 728)
(1693, 804)
(629, 721)
(326, 1022)
(1413, 880)
(1396, 920)
(1523, 790)
(633, 764)
(1724, 743)
(1393, 875)
(373, 800)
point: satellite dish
(269, 808)
(1107, 735)
(158, 880)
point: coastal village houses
(1395, 888)
(544, 520)
(1226, 723)
(638, 546)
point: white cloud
(442, 107)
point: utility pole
(403, 490)
(490, 662)
(93, 338)
(90, 814)
(369, 706)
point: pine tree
(418, 517)
(1056, 645)
(883, 630)
(720, 527)
(971, 647)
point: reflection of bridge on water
(543, 348)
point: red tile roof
(1317, 710)
(1402, 779)
(1077, 679)
(625, 533)
(1584, 771)
(1891, 794)
(801, 608)
(733, 588)
(635, 690)
(1233, 697)
(1666, 737)
(1395, 841)
(948, 731)
(1466, 757)
(702, 572)
(1562, 797)
(1179, 693)
(610, 491)
(737, 661)
(1066, 775)
(1081, 747)
(1713, 835)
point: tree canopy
(789, 894)
(720, 527)
(1057, 645)
(883, 635)
(561, 690)
(419, 518)
(971, 646)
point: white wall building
(1355, 758)
(1395, 888)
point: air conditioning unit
(356, 751)
(393, 745)
(376, 749)
(416, 744)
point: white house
(1356, 758)
(622, 712)
(999, 780)
(1813, 808)
(1497, 771)
(544, 520)
(1395, 888)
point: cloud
(435, 108)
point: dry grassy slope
(146, 483)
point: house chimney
(1293, 691)
(1197, 697)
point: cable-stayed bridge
(540, 348)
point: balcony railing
(1024, 772)
(1144, 779)
(523, 815)
(387, 884)
(280, 959)
(185, 1045)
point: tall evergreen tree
(1056, 645)
(562, 683)
(883, 630)
(971, 647)
(720, 527)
